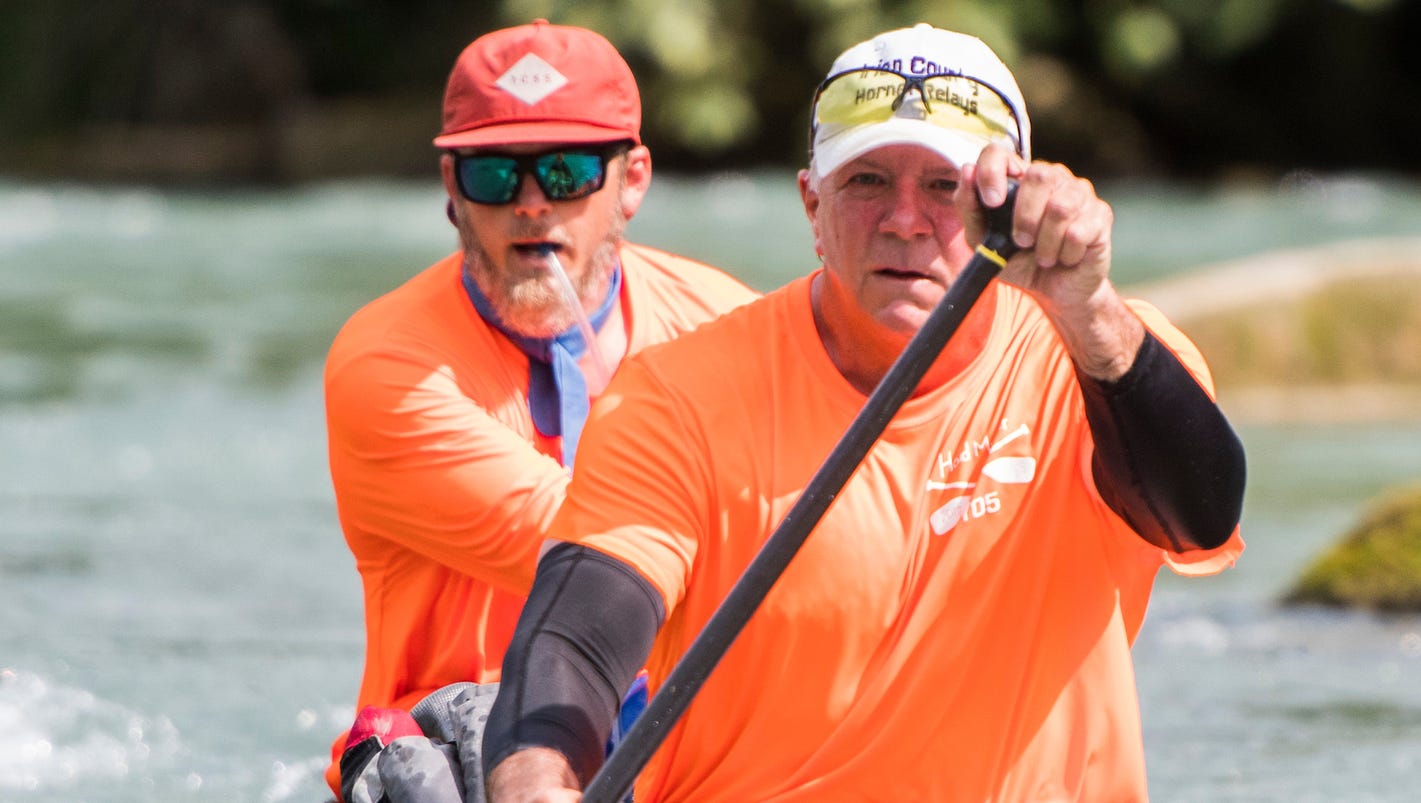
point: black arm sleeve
(584, 633)
(1166, 459)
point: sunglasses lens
(488, 179)
(569, 175)
(562, 175)
(959, 102)
(861, 96)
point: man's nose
(530, 200)
(906, 217)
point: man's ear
(809, 195)
(446, 171)
(637, 179)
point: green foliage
(1377, 565)
(1141, 40)
(1370, 5)
(1114, 86)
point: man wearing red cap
(454, 403)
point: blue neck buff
(557, 390)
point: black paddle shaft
(671, 701)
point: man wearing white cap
(958, 626)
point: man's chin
(538, 321)
(904, 317)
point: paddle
(616, 776)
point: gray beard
(534, 304)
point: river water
(180, 619)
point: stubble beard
(533, 303)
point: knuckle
(1039, 174)
(1060, 207)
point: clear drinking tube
(603, 374)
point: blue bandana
(557, 391)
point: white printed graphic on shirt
(1013, 469)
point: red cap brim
(552, 132)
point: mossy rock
(1377, 565)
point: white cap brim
(833, 151)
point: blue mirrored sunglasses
(565, 174)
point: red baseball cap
(540, 83)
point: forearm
(1166, 459)
(584, 633)
(534, 774)
(1102, 335)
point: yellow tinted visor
(955, 102)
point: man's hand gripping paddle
(671, 701)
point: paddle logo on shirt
(1001, 461)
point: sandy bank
(1324, 334)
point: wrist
(1102, 335)
(530, 773)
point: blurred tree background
(209, 91)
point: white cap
(918, 51)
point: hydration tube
(603, 373)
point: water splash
(57, 737)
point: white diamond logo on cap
(531, 79)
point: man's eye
(865, 179)
(943, 185)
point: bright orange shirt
(958, 626)
(444, 487)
